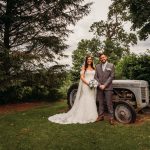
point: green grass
(31, 130)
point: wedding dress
(84, 109)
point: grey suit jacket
(105, 77)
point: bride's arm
(82, 75)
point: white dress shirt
(104, 66)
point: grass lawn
(31, 130)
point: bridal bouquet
(93, 83)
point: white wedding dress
(84, 109)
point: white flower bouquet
(93, 83)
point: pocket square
(109, 69)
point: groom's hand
(102, 87)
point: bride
(84, 109)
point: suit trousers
(105, 95)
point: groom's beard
(103, 62)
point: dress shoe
(111, 121)
(100, 118)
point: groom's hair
(100, 54)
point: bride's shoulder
(83, 67)
(82, 70)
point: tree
(37, 27)
(116, 41)
(139, 14)
(40, 85)
(33, 32)
(85, 47)
(135, 67)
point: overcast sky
(99, 11)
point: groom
(104, 75)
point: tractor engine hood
(130, 83)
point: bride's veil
(78, 92)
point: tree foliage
(43, 84)
(32, 34)
(139, 14)
(116, 41)
(135, 67)
(38, 28)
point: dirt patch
(9, 108)
(141, 118)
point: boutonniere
(109, 69)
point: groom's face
(103, 58)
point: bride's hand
(87, 83)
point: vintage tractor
(129, 97)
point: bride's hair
(86, 64)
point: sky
(99, 11)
